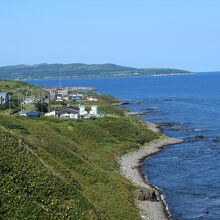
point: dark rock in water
(166, 124)
(196, 138)
(125, 103)
(200, 137)
(179, 128)
(139, 102)
(168, 100)
(216, 139)
(150, 111)
(147, 194)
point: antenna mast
(60, 86)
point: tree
(42, 106)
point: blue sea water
(188, 173)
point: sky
(181, 34)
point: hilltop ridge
(78, 70)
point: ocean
(188, 107)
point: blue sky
(140, 33)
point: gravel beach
(131, 168)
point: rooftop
(33, 113)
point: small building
(23, 114)
(33, 115)
(4, 98)
(94, 110)
(63, 92)
(71, 115)
(82, 110)
(29, 100)
(59, 97)
(77, 97)
(69, 112)
(53, 113)
(65, 98)
(91, 99)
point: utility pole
(60, 86)
(49, 101)
(9, 104)
(20, 103)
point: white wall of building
(94, 110)
(82, 110)
(53, 113)
(72, 116)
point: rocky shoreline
(149, 198)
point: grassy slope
(52, 168)
(17, 87)
(17, 91)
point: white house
(77, 95)
(91, 99)
(94, 110)
(67, 112)
(29, 100)
(23, 114)
(53, 113)
(82, 110)
(59, 97)
(70, 115)
(65, 98)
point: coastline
(130, 167)
(102, 76)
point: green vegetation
(67, 169)
(18, 91)
(18, 88)
(39, 71)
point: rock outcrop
(147, 194)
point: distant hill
(43, 71)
